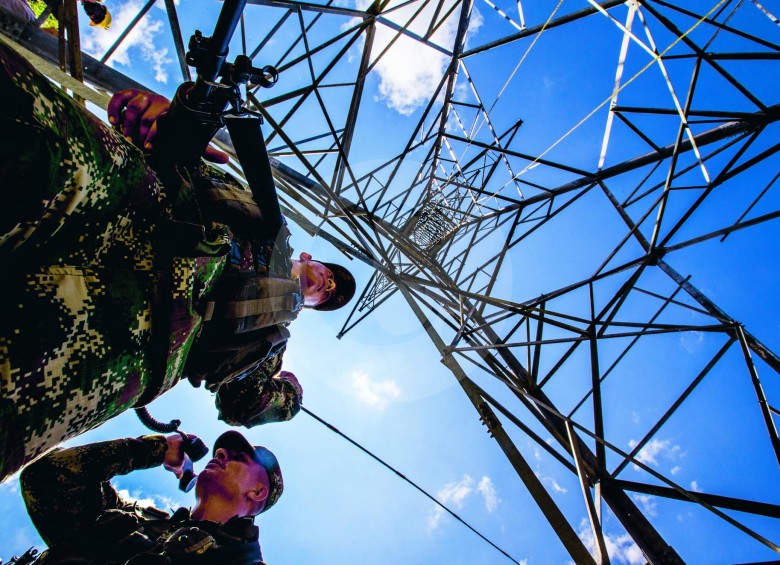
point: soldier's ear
(259, 493)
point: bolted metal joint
(488, 418)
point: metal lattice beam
(482, 174)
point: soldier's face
(317, 281)
(236, 478)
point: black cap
(345, 288)
(235, 441)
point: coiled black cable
(156, 425)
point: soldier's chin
(206, 478)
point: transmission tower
(553, 210)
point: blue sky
(383, 383)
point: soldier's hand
(175, 458)
(137, 113)
(290, 378)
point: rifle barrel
(227, 22)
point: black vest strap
(240, 554)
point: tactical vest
(243, 325)
(123, 537)
(259, 299)
(244, 318)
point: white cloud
(409, 72)
(554, 485)
(655, 449)
(676, 469)
(547, 480)
(158, 501)
(621, 549)
(376, 394)
(454, 495)
(405, 90)
(648, 504)
(691, 341)
(139, 44)
(488, 492)
(695, 486)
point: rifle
(199, 110)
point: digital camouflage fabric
(67, 490)
(104, 271)
(76, 236)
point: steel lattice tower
(554, 253)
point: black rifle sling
(250, 149)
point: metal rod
(107, 55)
(595, 522)
(739, 504)
(771, 428)
(178, 41)
(579, 14)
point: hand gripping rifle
(199, 109)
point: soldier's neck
(295, 270)
(215, 510)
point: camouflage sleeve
(263, 396)
(68, 489)
(70, 182)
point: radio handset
(194, 450)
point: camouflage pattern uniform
(82, 518)
(105, 275)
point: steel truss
(448, 204)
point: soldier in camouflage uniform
(82, 519)
(110, 278)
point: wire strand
(655, 59)
(407, 479)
